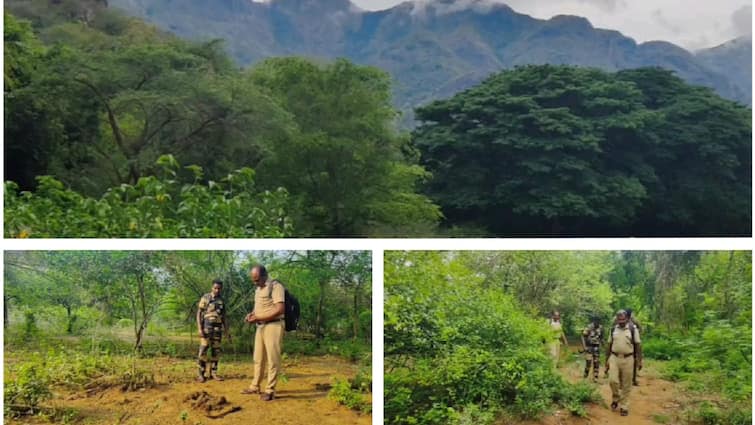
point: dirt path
(655, 401)
(301, 397)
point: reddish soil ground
(301, 397)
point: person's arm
(280, 308)
(199, 322)
(608, 353)
(584, 343)
(563, 338)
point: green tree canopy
(566, 150)
(347, 166)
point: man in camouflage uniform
(211, 324)
(624, 350)
(592, 339)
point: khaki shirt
(621, 340)
(556, 329)
(266, 297)
(212, 308)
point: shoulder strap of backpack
(273, 283)
(632, 328)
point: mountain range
(434, 49)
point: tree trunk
(5, 312)
(320, 306)
(69, 320)
(356, 312)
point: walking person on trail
(592, 339)
(268, 316)
(211, 324)
(554, 346)
(631, 317)
(624, 349)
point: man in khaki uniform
(623, 350)
(558, 337)
(268, 315)
(211, 324)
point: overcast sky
(692, 24)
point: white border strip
(603, 244)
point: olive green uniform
(621, 363)
(212, 311)
(268, 338)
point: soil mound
(211, 406)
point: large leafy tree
(566, 150)
(115, 94)
(699, 150)
(347, 166)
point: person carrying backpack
(624, 350)
(633, 320)
(269, 317)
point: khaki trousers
(268, 341)
(620, 379)
(555, 351)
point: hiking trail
(654, 401)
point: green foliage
(108, 96)
(30, 387)
(345, 165)
(452, 342)
(574, 283)
(153, 207)
(343, 393)
(30, 324)
(141, 300)
(696, 310)
(564, 150)
(663, 348)
(463, 338)
(708, 414)
(22, 49)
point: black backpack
(293, 310)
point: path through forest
(301, 397)
(655, 401)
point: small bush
(343, 393)
(665, 348)
(30, 387)
(708, 414)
